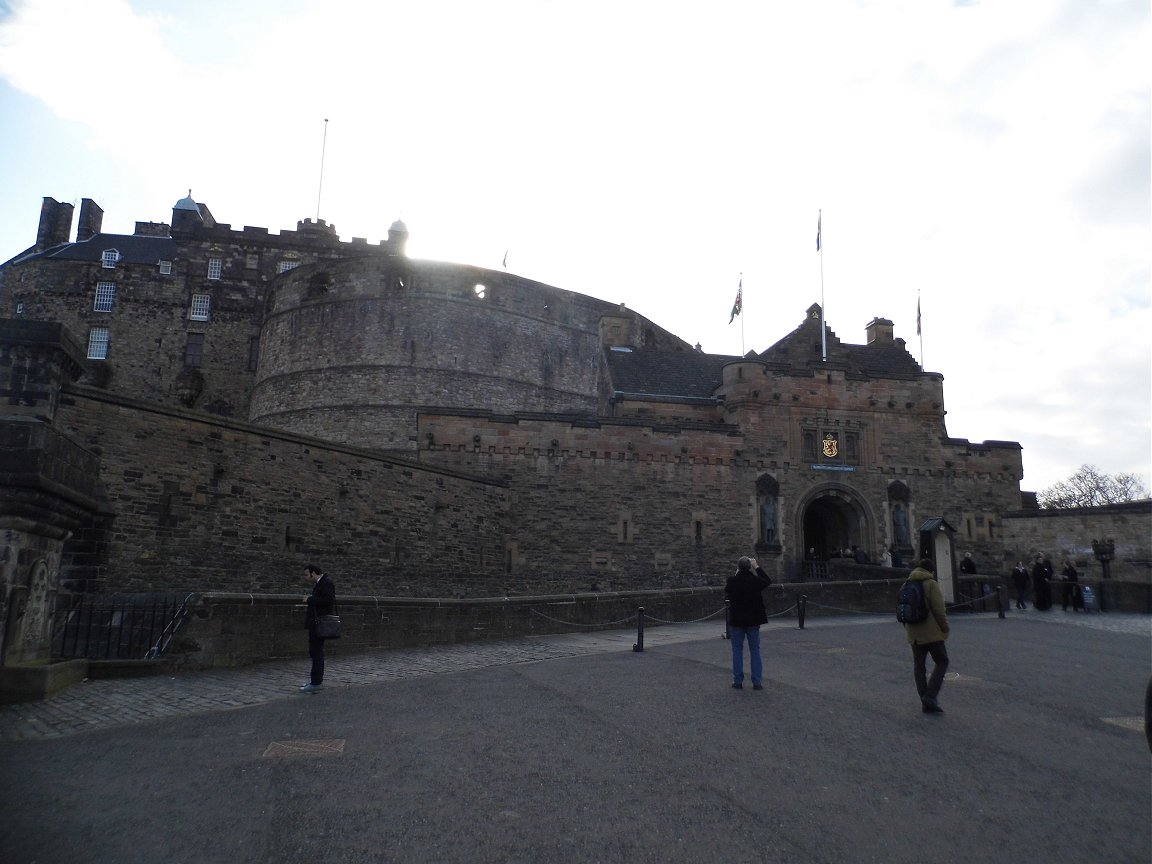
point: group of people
(886, 556)
(746, 614)
(1041, 577)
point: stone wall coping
(97, 395)
(224, 597)
(1143, 505)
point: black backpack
(912, 604)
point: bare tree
(1089, 488)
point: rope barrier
(707, 617)
(791, 608)
(846, 611)
(627, 620)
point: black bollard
(999, 601)
(639, 646)
(802, 609)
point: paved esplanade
(576, 749)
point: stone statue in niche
(768, 521)
(900, 525)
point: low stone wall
(237, 629)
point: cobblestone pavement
(103, 704)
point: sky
(987, 162)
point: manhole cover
(305, 748)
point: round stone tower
(350, 350)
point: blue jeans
(738, 635)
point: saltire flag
(917, 316)
(738, 306)
(819, 219)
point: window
(808, 446)
(285, 266)
(105, 297)
(201, 304)
(253, 353)
(194, 350)
(109, 258)
(98, 343)
(215, 268)
(165, 268)
(19, 309)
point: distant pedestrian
(968, 566)
(927, 638)
(321, 602)
(746, 613)
(1041, 585)
(1070, 590)
(859, 555)
(1020, 582)
(885, 557)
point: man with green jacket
(928, 637)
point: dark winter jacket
(322, 600)
(745, 600)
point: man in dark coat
(1041, 587)
(745, 615)
(1020, 581)
(321, 602)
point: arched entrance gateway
(835, 518)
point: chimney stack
(879, 331)
(55, 224)
(91, 220)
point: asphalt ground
(577, 749)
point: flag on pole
(917, 316)
(819, 219)
(738, 306)
(505, 265)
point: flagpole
(820, 249)
(741, 314)
(919, 331)
(320, 185)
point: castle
(244, 401)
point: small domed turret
(397, 237)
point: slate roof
(694, 375)
(686, 374)
(801, 349)
(133, 249)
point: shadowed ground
(576, 749)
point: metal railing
(117, 626)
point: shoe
(757, 686)
(736, 685)
(930, 706)
(311, 688)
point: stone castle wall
(202, 503)
(642, 505)
(1069, 534)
